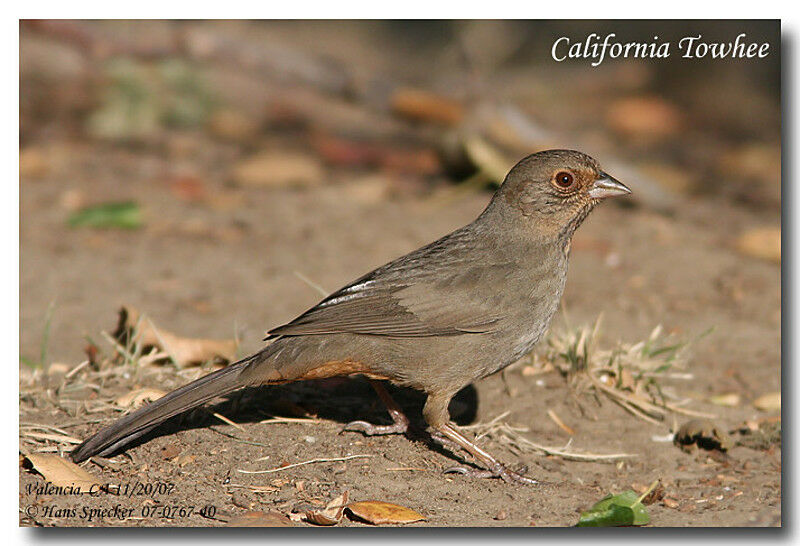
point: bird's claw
(368, 429)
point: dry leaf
(421, 105)
(279, 168)
(61, 472)
(488, 158)
(644, 117)
(233, 125)
(729, 400)
(33, 162)
(331, 514)
(184, 351)
(379, 512)
(261, 519)
(138, 397)
(58, 368)
(768, 402)
(669, 502)
(764, 243)
(170, 451)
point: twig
(571, 455)
(648, 491)
(324, 293)
(122, 350)
(557, 420)
(52, 437)
(302, 420)
(76, 369)
(226, 420)
(235, 439)
(312, 461)
(42, 426)
(633, 410)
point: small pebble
(240, 499)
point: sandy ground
(229, 263)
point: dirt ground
(230, 264)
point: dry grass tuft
(630, 375)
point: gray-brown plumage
(436, 319)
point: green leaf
(616, 511)
(126, 215)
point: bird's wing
(406, 298)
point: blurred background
(213, 172)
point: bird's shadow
(340, 400)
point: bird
(437, 319)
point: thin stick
(557, 420)
(633, 410)
(76, 369)
(41, 426)
(234, 438)
(122, 350)
(226, 420)
(52, 437)
(486, 425)
(574, 456)
(302, 420)
(648, 491)
(324, 293)
(295, 465)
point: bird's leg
(400, 421)
(437, 416)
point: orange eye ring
(564, 180)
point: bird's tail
(140, 422)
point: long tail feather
(140, 422)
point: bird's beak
(607, 186)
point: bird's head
(555, 190)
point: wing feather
(409, 297)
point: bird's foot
(447, 443)
(497, 471)
(398, 427)
(399, 420)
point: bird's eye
(564, 180)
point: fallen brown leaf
(421, 105)
(669, 502)
(763, 243)
(170, 451)
(261, 519)
(331, 514)
(380, 513)
(644, 117)
(138, 397)
(768, 402)
(33, 163)
(184, 351)
(278, 169)
(487, 158)
(730, 400)
(61, 472)
(389, 156)
(233, 125)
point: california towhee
(437, 319)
